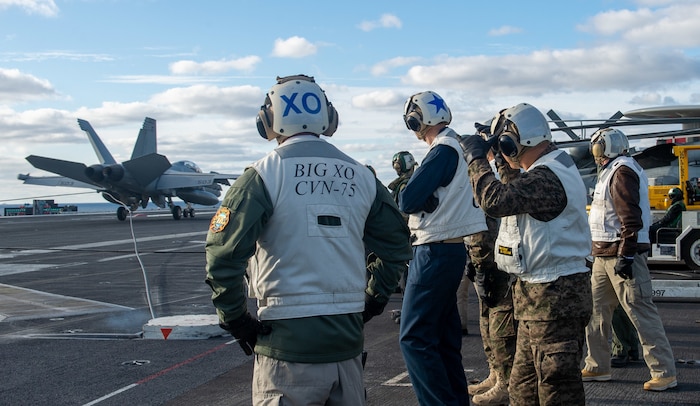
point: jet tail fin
(147, 168)
(101, 150)
(147, 142)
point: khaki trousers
(635, 296)
(280, 383)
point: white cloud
(54, 55)
(385, 21)
(378, 99)
(605, 67)
(504, 30)
(653, 99)
(674, 26)
(16, 86)
(238, 101)
(293, 47)
(164, 79)
(384, 67)
(188, 67)
(46, 8)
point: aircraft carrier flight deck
(76, 291)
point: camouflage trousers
(498, 326)
(547, 365)
(552, 319)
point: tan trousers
(280, 383)
(635, 297)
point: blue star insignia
(439, 104)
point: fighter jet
(130, 184)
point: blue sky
(202, 69)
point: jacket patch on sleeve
(220, 219)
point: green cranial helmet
(675, 194)
(403, 162)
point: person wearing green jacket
(292, 231)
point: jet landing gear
(188, 211)
(122, 212)
(178, 212)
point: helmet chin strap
(421, 134)
(600, 159)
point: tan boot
(484, 385)
(498, 395)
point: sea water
(103, 207)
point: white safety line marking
(21, 304)
(109, 395)
(158, 374)
(99, 244)
(396, 381)
(128, 241)
(121, 257)
(11, 269)
(147, 253)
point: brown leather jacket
(624, 189)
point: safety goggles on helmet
(425, 109)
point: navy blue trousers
(430, 332)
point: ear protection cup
(508, 145)
(598, 149)
(264, 123)
(332, 120)
(414, 121)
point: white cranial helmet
(520, 126)
(425, 109)
(296, 104)
(608, 143)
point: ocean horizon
(98, 207)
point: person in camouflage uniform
(543, 239)
(497, 323)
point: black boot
(619, 361)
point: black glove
(483, 130)
(431, 204)
(246, 330)
(484, 288)
(500, 161)
(474, 147)
(372, 308)
(623, 267)
(471, 271)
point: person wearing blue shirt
(439, 202)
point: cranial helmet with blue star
(431, 107)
